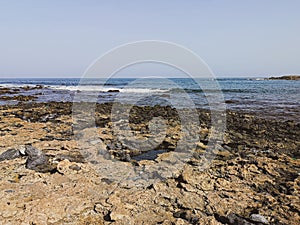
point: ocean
(276, 98)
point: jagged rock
(38, 161)
(10, 154)
(232, 219)
(262, 175)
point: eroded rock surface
(55, 172)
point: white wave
(89, 88)
(80, 88)
(16, 85)
(258, 78)
(142, 90)
(107, 89)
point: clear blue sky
(60, 38)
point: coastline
(255, 172)
(150, 113)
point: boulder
(10, 154)
(37, 160)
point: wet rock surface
(5, 91)
(23, 98)
(48, 175)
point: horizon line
(128, 77)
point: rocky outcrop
(37, 160)
(8, 91)
(10, 154)
(47, 176)
(23, 98)
(288, 77)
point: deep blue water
(275, 97)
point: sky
(61, 38)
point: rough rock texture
(49, 176)
(17, 98)
(37, 160)
(10, 154)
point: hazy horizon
(60, 39)
(135, 77)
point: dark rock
(8, 91)
(113, 91)
(48, 138)
(75, 167)
(107, 181)
(28, 88)
(186, 215)
(288, 77)
(39, 87)
(23, 98)
(37, 160)
(122, 155)
(232, 219)
(75, 157)
(149, 155)
(10, 154)
(43, 112)
(102, 122)
(231, 101)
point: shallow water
(149, 155)
(278, 98)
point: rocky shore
(48, 176)
(287, 77)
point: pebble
(75, 167)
